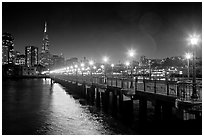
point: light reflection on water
(36, 107)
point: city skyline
(93, 30)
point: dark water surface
(34, 106)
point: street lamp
(112, 65)
(71, 67)
(105, 60)
(76, 69)
(82, 68)
(194, 40)
(91, 62)
(150, 69)
(188, 57)
(127, 64)
(94, 68)
(131, 54)
(82, 65)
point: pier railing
(180, 89)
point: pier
(115, 95)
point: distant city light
(76, 66)
(112, 65)
(91, 62)
(102, 66)
(127, 63)
(94, 67)
(105, 59)
(82, 64)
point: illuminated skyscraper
(7, 48)
(45, 56)
(31, 56)
(45, 46)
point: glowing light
(188, 55)
(112, 65)
(91, 62)
(76, 66)
(131, 52)
(194, 39)
(127, 63)
(102, 66)
(94, 67)
(82, 64)
(105, 59)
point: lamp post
(91, 63)
(76, 68)
(102, 68)
(131, 54)
(67, 70)
(150, 69)
(82, 68)
(127, 63)
(194, 41)
(105, 60)
(188, 57)
(112, 65)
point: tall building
(45, 46)
(7, 48)
(31, 56)
(45, 56)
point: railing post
(144, 83)
(155, 86)
(98, 99)
(136, 83)
(127, 83)
(167, 86)
(122, 84)
(178, 94)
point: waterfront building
(7, 48)
(143, 61)
(20, 60)
(29, 71)
(31, 56)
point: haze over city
(92, 30)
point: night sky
(156, 30)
